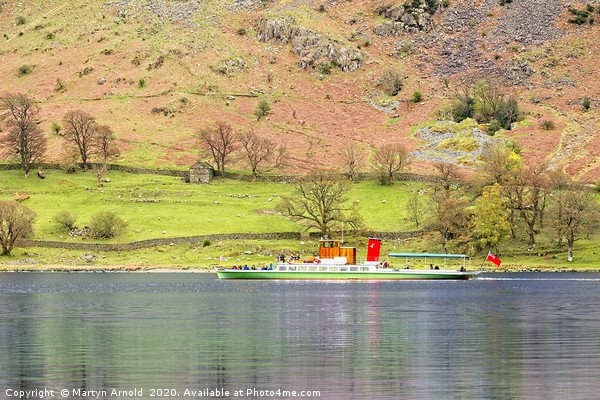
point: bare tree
(80, 133)
(527, 195)
(260, 150)
(16, 221)
(23, 138)
(352, 159)
(319, 201)
(574, 213)
(219, 142)
(449, 217)
(389, 160)
(416, 208)
(497, 161)
(450, 179)
(105, 143)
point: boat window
(292, 268)
(322, 269)
(344, 269)
(312, 269)
(353, 269)
(364, 269)
(302, 269)
(333, 269)
(281, 268)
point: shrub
(493, 127)
(142, 83)
(106, 224)
(508, 113)
(586, 103)
(325, 68)
(25, 70)
(65, 220)
(463, 107)
(262, 109)
(50, 36)
(206, 243)
(417, 97)
(547, 125)
(56, 128)
(241, 31)
(20, 20)
(391, 82)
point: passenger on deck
(235, 267)
(462, 269)
(385, 264)
(263, 268)
(246, 267)
(282, 257)
(270, 267)
(436, 267)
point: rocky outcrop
(406, 18)
(313, 48)
(451, 142)
(157, 10)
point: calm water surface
(506, 336)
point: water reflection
(509, 338)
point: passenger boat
(338, 262)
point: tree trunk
(511, 220)
(570, 243)
(570, 256)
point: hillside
(156, 71)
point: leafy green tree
(491, 220)
(16, 221)
(463, 105)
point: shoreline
(156, 269)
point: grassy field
(166, 207)
(159, 206)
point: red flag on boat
(491, 257)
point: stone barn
(201, 172)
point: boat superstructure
(339, 262)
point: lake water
(505, 336)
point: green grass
(154, 204)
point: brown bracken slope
(158, 71)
